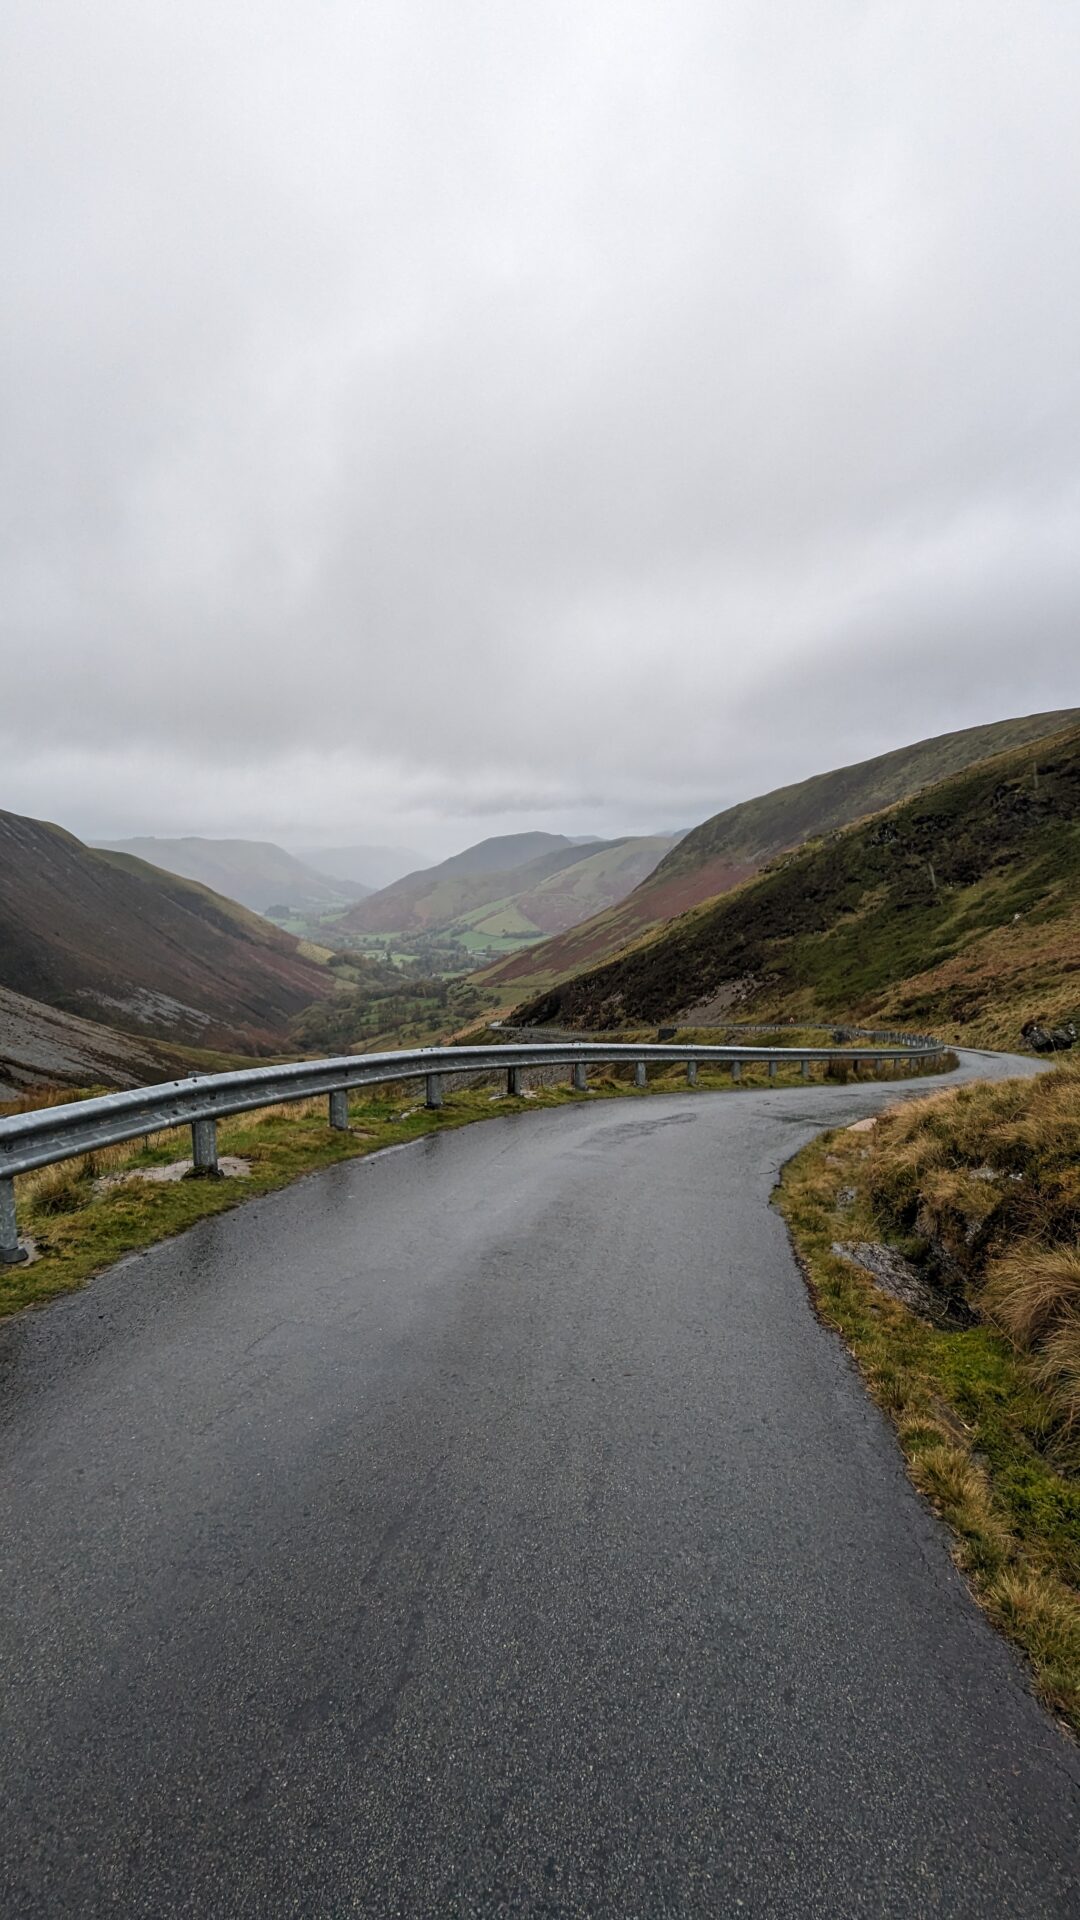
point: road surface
(490, 1528)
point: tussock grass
(1029, 1292)
(978, 1185)
(1058, 1374)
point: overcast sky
(431, 418)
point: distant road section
(490, 1528)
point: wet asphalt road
(489, 1528)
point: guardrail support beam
(433, 1097)
(772, 1069)
(513, 1083)
(691, 1073)
(641, 1074)
(12, 1252)
(339, 1110)
(204, 1163)
(580, 1077)
(736, 1069)
(805, 1064)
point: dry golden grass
(979, 1185)
(988, 1176)
(1000, 979)
(1059, 1375)
(1030, 1290)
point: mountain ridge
(446, 896)
(957, 909)
(726, 850)
(256, 873)
(108, 937)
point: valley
(875, 893)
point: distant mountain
(506, 852)
(105, 936)
(255, 872)
(734, 845)
(371, 867)
(956, 911)
(547, 896)
(546, 883)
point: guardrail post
(513, 1083)
(580, 1077)
(691, 1073)
(339, 1110)
(433, 1097)
(805, 1064)
(204, 1164)
(12, 1252)
(736, 1070)
(641, 1074)
(855, 1070)
(772, 1069)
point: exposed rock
(902, 1281)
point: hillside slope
(551, 889)
(42, 1047)
(959, 909)
(734, 845)
(604, 873)
(255, 872)
(105, 936)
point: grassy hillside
(107, 937)
(485, 905)
(436, 897)
(254, 872)
(970, 1200)
(734, 845)
(958, 910)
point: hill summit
(958, 909)
(732, 846)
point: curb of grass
(1014, 1522)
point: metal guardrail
(842, 1033)
(50, 1134)
(883, 1036)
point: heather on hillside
(959, 909)
(105, 936)
(731, 847)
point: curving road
(490, 1528)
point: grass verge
(977, 1187)
(79, 1228)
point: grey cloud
(419, 415)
